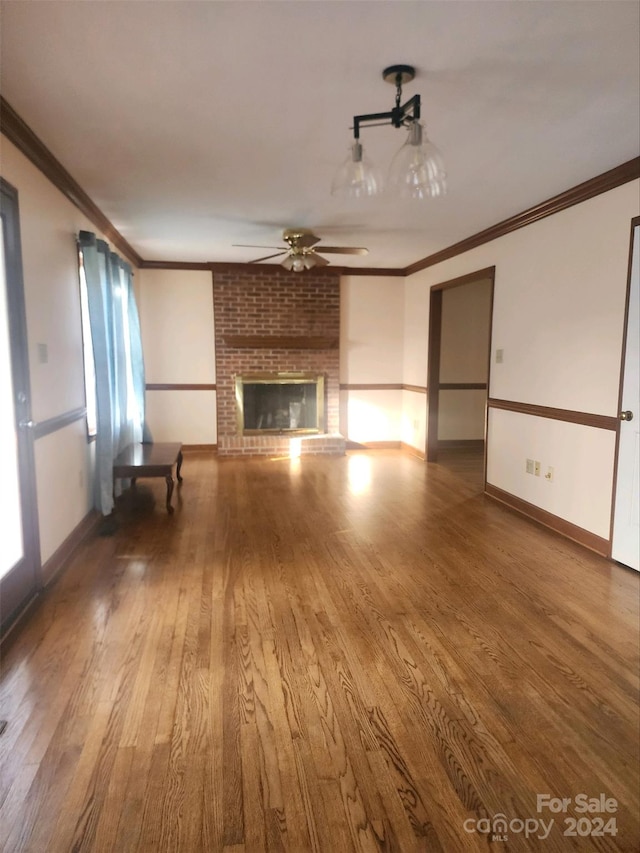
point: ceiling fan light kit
(417, 170)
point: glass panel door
(12, 550)
(20, 551)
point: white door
(626, 519)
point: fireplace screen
(280, 403)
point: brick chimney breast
(301, 311)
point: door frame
(635, 223)
(433, 355)
(24, 582)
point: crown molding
(175, 265)
(20, 134)
(388, 271)
(269, 269)
(229, 266)
(609, 180)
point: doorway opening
(460, 321)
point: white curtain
(119, 365)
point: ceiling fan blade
(252, 246)
(319, 261)
(267, 257)
(345, 250)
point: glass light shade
(294, 263)
(417, 170)
(356, 177)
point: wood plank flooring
(340, 654)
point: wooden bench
(150, 460)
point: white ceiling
(196, 125)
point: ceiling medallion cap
(406, 73)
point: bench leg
(169, 480)
(179, 466)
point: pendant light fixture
(356, 177)
(417, 170)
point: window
(114, 364)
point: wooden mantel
(281, 341)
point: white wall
(64, 473)
(464, 348)
(371, 353)
(371, 321)
(461, 415)
(581, 458)
(176, 318)
(49, 224)
(416, 332)
(414, 363)
(464, 358)
(558, 315)
(413, 427)
(185, 416)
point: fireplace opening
(280, 403)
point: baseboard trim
(548, 519)
(413, 451)
(61, 556)
(466, 443)
(373, 445)
(13, 630)
(181, 386)
(371, 386)
(195, 448)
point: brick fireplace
(269, 320)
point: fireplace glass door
(280, 403)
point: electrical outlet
(536, 468)
(43, 354)
(529, 466)
(499, 356)
(549, 475)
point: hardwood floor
(340, 654)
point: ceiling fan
(302, 254)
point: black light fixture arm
(417, 169)
(401, 114)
